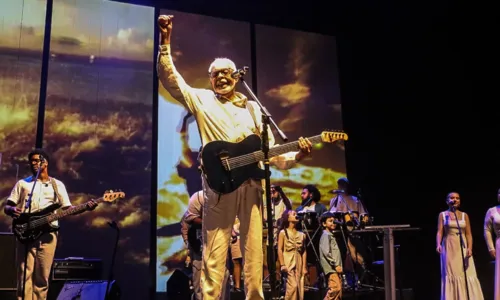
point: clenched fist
(165, 24)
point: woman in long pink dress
(492, 237)
(448, 245)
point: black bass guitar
(228, 165)
(40, 221)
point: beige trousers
(294, 285)
(334, 291)
(219, 213)
(40, 258)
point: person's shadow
(188, 167)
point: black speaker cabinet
(89, 290)
(8, 271)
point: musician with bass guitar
(40, 245)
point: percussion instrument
(347, 219)
(364, 220)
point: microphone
(240, 72)
(42, 159)
(338, 222)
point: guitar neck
(285, 148)
(69, 211)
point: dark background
(417, 105)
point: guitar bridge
(225, 161)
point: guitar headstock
(332, 136)
(110, 195)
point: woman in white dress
(492, 237)
(448, 245)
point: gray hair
(222, 60)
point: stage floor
(407, 294)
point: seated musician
(310, 201)
(280, 203)
(191, 226)
(193, 218)
(344, 202)
(311, 209)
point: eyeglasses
(224, 72)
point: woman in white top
(492, 226)
(451, 223)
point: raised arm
(169, 77)
(468, 235)
(488, 233)
(439, 234)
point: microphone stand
(113, 225)
(370, 219)
(353, 261)
(334, 203)
(348, 251)
(27, 208)
(462, 246)
(266, 120)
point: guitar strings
(249, 158)
(256, 156)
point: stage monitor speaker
(89, 290)
(178, 286)
(8, 261)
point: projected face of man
(220, 72)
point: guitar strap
(56, 191)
